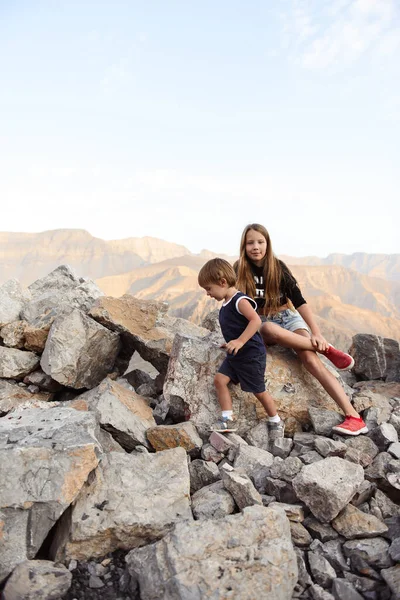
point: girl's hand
(319, 342)
(233, 346)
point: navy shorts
(249, 372)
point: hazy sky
(186, 120)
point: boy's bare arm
(253, 326)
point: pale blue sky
(186, 120)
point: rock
(282, 447)
(209, 453)
(366, 399)
(38, 580)
(13, 334)
(320, 531)
(251, 459)
(364, 493)
(377, 470)
(353, 523)
(394, 550)
(322, 571)
(300, 535)
(294, 512)
(12, 300)
(45, 458)
(36, 337)
(375, 357)
(197, 560)
(258, 436)
(286, 469)
(240, 487)
(212, 502)
(384, 435)
(182, 435)
(202, 473)
(318, 593)
(343, 590)
(79, 352)
(282, 490)
(375, 552)
(394, 449)
(308, 458)
(332, 551)
(43, 381)
(323, 420)
(95, 582)
(360, 450)
(385, 505)
(134, 499)
(12, 396)
(119, 411)
(304, 578)
(392, 578)
(327, 447)
(60, 289)
(236, 441)
(327, 486)
(221, 442)
(15, 364)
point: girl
(288, 320)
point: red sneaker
(351, 426)
(341, 360)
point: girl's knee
(311, 361)
(270, 333)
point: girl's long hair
(272, 272)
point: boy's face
(217, 290)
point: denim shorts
(288, 319)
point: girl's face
(256, 246)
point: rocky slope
(113, 488)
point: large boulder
(327, 486)
(144, 326)
(246, 556)
(59, 289)
(189, 386)
(79, 352)
(132, 500)
(13, 298)
(121, 411)
(376, 357)
(45, 458)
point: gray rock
(240, 486)
(343, 590)
(378, 469)
(364, 493)
(320, 531)
(95, 582)
(202, 473)
(394, 550)
(251, 459)
(332, 551)
(12, 300)
(45, 458)
(236, 441)
(305, 439)
(375, 357)
(375, 552)
(327, 486)
(385, 505)
(212, 502)
(392, 578)
(318, 593)
(323, 420)
(195, 561)
(394, 449)
(384, 435)
(304, 578)
(327, 447)
(119, 411)
(13, 396)
(322, 571)
(300, 535)
(79, 352)
(353, 523)
(38, 580)
(294, 512)
(361, 450)
(15, 364)
(286, 469)
(134, 499)
(209, 453)
(13, 334)
(393, 524)
(282, 447)
(282, 490)
(308, 458)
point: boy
(246, 355)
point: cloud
(340, 32)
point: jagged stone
(202, 473)
(236, 441)
(318, 593)
(344, 590)
(353, 523)
(196, 560)
(15, 364)
(13, 334)
(327, 486)
(385, 505)
(286, 469)
(259, 435)
(300, 535)
(294, 512)
(320, 531)
(327, 447)
(134, 499)
(384, 435)
(281, 447)
(45, 458)
(322, 571)
(308, 458)
(392, 578)
(212, 502)
(43, 381)
(394, 449)
(363, 493)
(361, 450)
(119, 411)
(12, 300)
(38, 580)
(375, 357)
(209, 453)
(12, 396)
(332, 551)
(282, 490)
(239, 485)
(375, 552)
(394, 550)
(220, 442)
(367, 399)
(251, 459)
(323, 420)
(184, 435)
(79, 352)
(304, 578)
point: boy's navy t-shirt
(233, 323)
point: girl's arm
(253, 326)
(317, 339)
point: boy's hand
(233, 346)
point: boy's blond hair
(214, 270)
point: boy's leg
(225, 422)
(268, 403)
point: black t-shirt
(289, 289)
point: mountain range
(348, 293)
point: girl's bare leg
(274, 334)
(224, 397)
(268, 403)
(328, 381)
